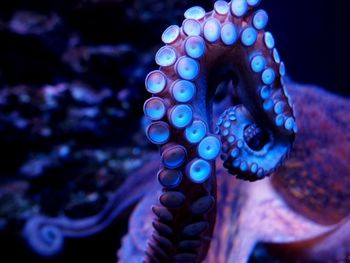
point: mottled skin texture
(316, 178)
(302, 209)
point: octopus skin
(195, 212)
(254, 135)
(301, 210)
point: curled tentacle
(45, 238)
(46, 235)
(228, 45)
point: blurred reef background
(71, 94)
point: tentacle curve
(46, 235)
(228, 44)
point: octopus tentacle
(227, 44)
(46, 235)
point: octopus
(221, 91)
(300, 211)
(199, 214)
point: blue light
(199, 171)
(183, 90)
(228, 34)
(196, 132)
(295, 128)
(260, 19)
(154, 108)
(253, 2)
(171, 34)
(235, 153)
(289, 123)
(236, 163)
(187, 68)
(191, 27)
(158, 132)
(211, 30)
(209, 148)
(195, 47)
(258, 63)
(239, 7)
(181, 116)
(279, 120)
(231, 139)
(219, 121)
(249, 36)
(279, 106)
(166, 56)
(269, 40)
(155, 82)
(244, 166)
(254, 168)
(195, 12)
(276, 56)
(265, 92)
(232, 118)
(221, 7)
(282, 69)
(268, 76)
(267, 105)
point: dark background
(312, 37)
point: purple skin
(301, 210)
(303, 213)
(254, 135)
(187, 214)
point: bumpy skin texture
(303, 210)
(278, 210)
(316, 178)
(228, 44)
